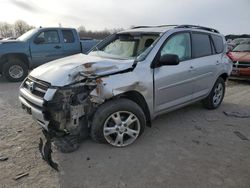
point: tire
(15, 70)
(128, 127)
(218, 92)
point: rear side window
(201, 45)
(68, 36)
(218, 43)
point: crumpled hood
(65, 71)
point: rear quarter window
(201, 45)
(218, 43)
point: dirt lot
(191, 147)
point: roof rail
(198, 27)
(142, 26)
(146, 26)
(166, 25)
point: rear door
(173, 83)
(48, 50)
(71, 42)
(204, 63)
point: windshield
(27, 35)
(242, 48)
(125, 46)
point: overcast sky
(228, 16)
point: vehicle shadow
(235, 82)
(2, 80)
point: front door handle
(57, 47)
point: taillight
(230, 55)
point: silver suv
(126, 81)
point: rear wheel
(118, 122)
(15, 70)
(216, 96)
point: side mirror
(169, 59)
(39, 40)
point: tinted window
(218, 43)
(49, 37)
(201, 45)
(68, 36)
(179, 45)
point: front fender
(111, 86)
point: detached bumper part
(46, 151)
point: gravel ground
(191, 147)
(19, 138)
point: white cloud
(228, 16)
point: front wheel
(216, 96)
(118, 122)
(15, 70)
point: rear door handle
(217, 62)
(57, 47)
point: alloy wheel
(121, 128)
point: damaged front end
(64, 100)
(63, 112)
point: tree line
(14, 30)
(20, 27)
(86, 34)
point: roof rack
(166, 25)
(198, 27)
(142, 26)
(146, 26)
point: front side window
(201, 45)
(49, 37)
(179, 45)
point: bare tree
(21, 27)
(6, 30)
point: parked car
(36, 47)
(245, 41)
(125, 82)
(236, 42)
(240, 56)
